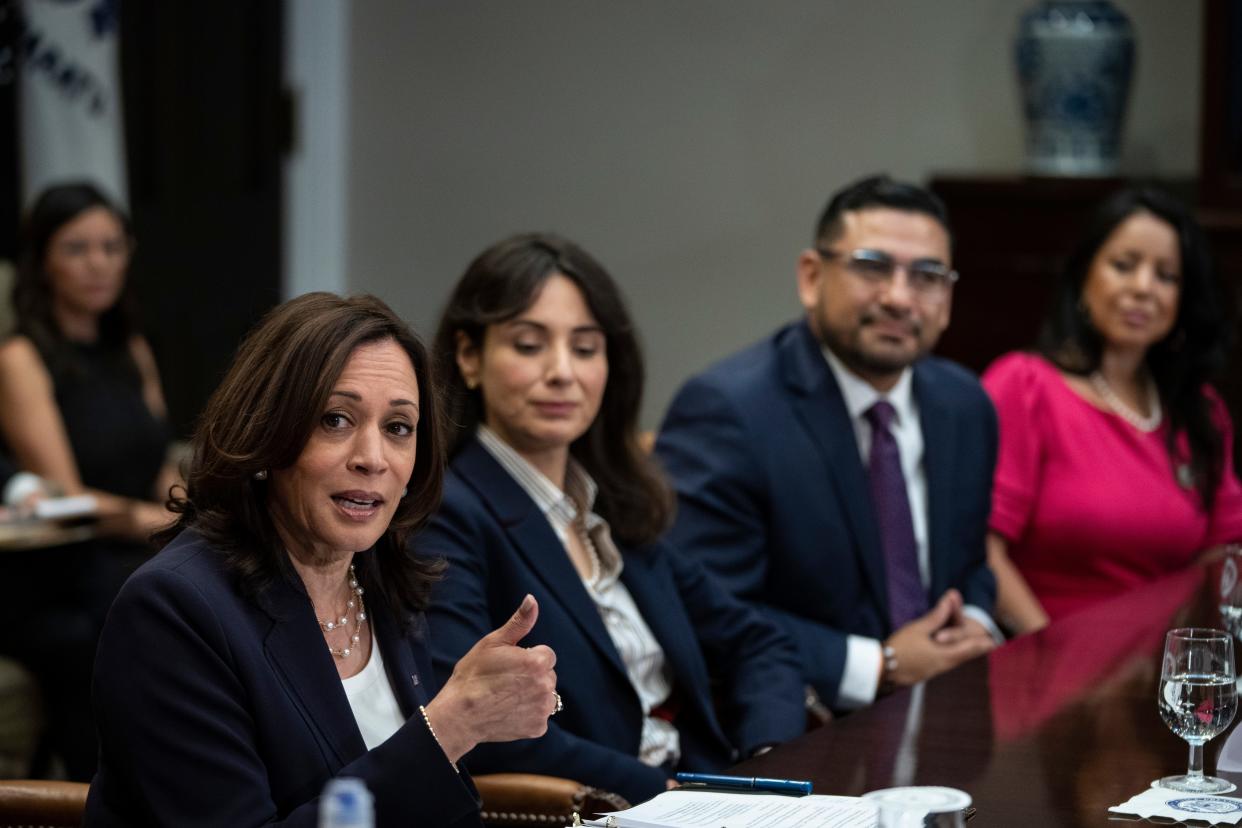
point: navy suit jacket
(215, 709)
(773, 496)
(500, 547)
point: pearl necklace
(1146, 424)
(360, 618)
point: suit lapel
(405, 676)
(653, 592)
(535, 541)
(658, 603)
(939, 455)
(297, 650)
(821, 409)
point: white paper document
(710, 809)
(64, 508)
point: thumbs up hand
(498, 691)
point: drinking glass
(1231, 590)
(1198, 698)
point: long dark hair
(32, 290)
(261, 417)
(504, 280)
(1193, 352)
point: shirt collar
(860, 395)
(559, 507)
(549, 497)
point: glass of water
(1231, 590)
(1198, 698)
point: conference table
(1049, 729)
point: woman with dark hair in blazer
(277, 641)
(549, 492)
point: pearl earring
(405, 491)
(261, 474)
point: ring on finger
(559, 704)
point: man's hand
(936, 642)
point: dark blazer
(773, 496)
(214, 709)
(500, 547)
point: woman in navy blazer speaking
(277, 640)
(550, 493)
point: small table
(21, 535)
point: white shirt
(371, 698)
(861, 678)
(640, 652)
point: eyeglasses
(926, 277)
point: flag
(70, 108)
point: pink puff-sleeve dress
(1089, 505)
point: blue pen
(746, 783)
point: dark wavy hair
(504, 280)
(32, 290)
(1191, 355)
(261, 417)
(873, 192)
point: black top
(118, 444)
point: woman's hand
(498, 691)
(1017, 609)
(128, 518)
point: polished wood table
(1050, 729)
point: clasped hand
(936, 642)
(498, 691)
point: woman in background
(1115, 462)
(550, 493)
(80, 397)
(81, 407)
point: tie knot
(881, 414)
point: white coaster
(1179, 807)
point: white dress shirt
(861, 677)
(640, 652)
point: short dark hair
(1191, 355)
(504, 280)
(261, 417)
(32, 291)
(878, 191)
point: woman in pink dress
(1115, 462)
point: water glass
(1198, 698)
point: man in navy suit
(837, 476)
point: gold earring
(472, 383)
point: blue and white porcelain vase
(1075, 61)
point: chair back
(41, 803)
(530, 799)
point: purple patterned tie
(907, 599)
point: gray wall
(688, 144)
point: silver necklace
(1146, 424)
(360, 617)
